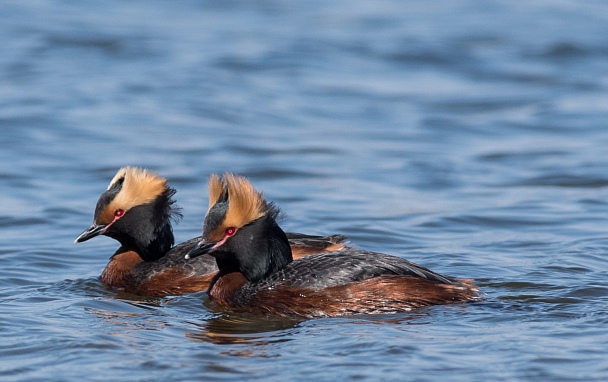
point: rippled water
(469, 137)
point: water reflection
(260, 330)
(243, 328)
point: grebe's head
(240, 228)
(136, 209)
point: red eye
(119, 213)
(230, 231)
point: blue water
(469, 137)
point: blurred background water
(470, 137)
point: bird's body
(341, 283)
(258, 274)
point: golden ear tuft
(245, 204)
(217, 189)
(138, 187)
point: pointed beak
(91, 232)
(201, 248)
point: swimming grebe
(137, 210)
(257, 273)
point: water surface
(469, 137)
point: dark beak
(91, 232)
(201, 248)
